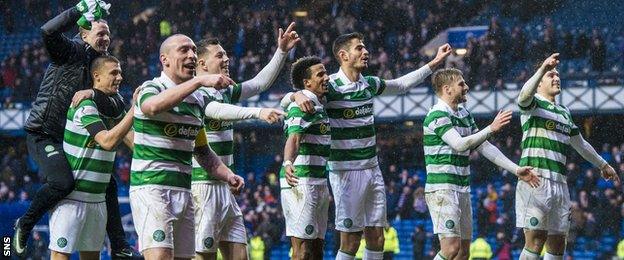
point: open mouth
(190, 66)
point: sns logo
(6, 246)
(172, 130)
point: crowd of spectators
(394, 32)
(596, 208)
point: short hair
(300, 70)
(98, 62)
(202, 46)
(444, 77)
(83, 30)
(343, 41)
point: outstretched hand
(527, 174)
(286, 40)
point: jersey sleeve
(530, 107)
(473, 125)
(439, 122)
(88, 117)
(148, 90)
(235, 93)
(376, 84)
(575, 129)
(295, 121)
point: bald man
(168, 124)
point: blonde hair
(444, 77)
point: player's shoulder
(152, 85)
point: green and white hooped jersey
(546, 132)
(164, 143)
(219, 133)
(91, 165)
(314, 148)
(447, 169)
(351, 116)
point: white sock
(344, 256)
(439, 257)
(528, 255)
(372, 255)
(549, 256)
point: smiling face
(178, 57)
(550, 84)
(449, 85)
(107, 77)
(318, 81)
(98, 37)
(214, 61)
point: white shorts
(77, 226)
(164, 218)
(306, 210)
(217, 216)
(451, 213)
(360, 198)
(546, 207)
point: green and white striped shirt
(350, 110)
(314, 147)
(164, 143)
(219, 133)
(546, 132)
(91, 165)
(446, 167)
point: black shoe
(126, 252)
(20, 239)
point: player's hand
(291, 179)
(503, 118)
(608, 173)
(236, 183)
(286, 40)
(271, 115)
(551, 62)
(217, 81)
(81, 95)
(443, 52)
(135, 97)
(303, 102)
(526, 173)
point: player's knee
(305, 252)
(350, 246)
(375, 243)
(451, 250)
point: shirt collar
(166, 81)
(537, 95)
(447, 107)
(343, 77)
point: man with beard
(449, 135)
(548, 135)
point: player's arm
(412, 79)
(530, 87)
(166, 100)
(209, 160)
(450, 136)
(128, 139)
(291, 149)
(495, 156)
(589, 153)
(108, 139)
(59, 47)
(222, 111)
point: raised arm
(222, 111)
(59, 47)
(171, 97)
(459, 143)
(495, 156)
(108, 139)
(412, 79)
(530, 87)
(286, 40)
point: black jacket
(67, 73)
